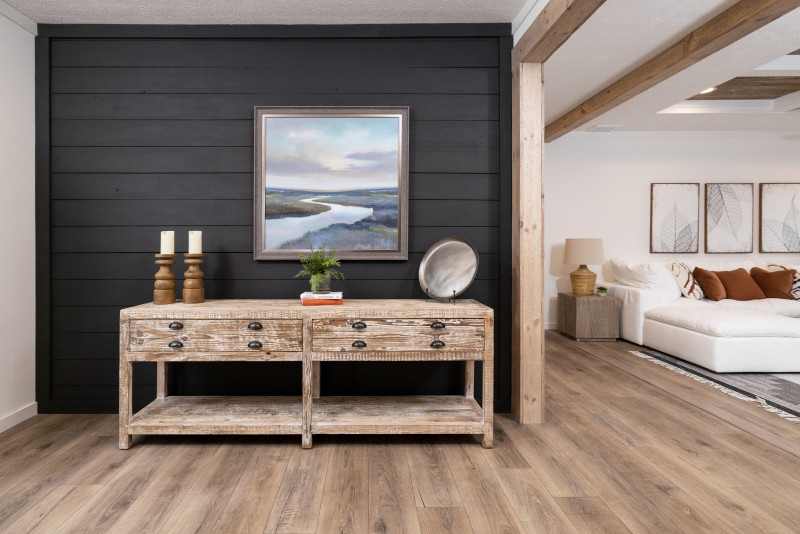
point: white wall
(598, 185)
(17, 305)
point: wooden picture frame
(728, 216)
(779, 217)
(680, 204)
(333, 175)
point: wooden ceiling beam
(555, 24)
(738, 21)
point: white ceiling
(623, 34)
(266, 11)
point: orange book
(320, 302)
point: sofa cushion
(651, 275)
(739, 285)
(709, 283)
(796, 284)
(686, 282)
(775, 284)
(789, 308)
(721, 321)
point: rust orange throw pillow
(775, 285)
(739, 285)
(709, 283)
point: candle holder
(193, 286)
(164, 292)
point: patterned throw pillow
(686, 282)
(795, 285)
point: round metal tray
(448, 268)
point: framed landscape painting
(674, 218)
(729, 218)
(779, 228)
(331, 175)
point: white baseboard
(19, 416)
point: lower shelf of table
(440, 414)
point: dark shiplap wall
(148, 134)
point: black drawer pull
(255, 326)
(437, 324)
(175, 326)
(359, 344)
(175, 345)
(254, 345)
(437, 344)
(359, 325)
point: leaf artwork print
(677, 234)
(729, 218)
(782, 236)
(674, 217)
(724, 208)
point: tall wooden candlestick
(193, 287)
(164, 292)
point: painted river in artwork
(281, 231)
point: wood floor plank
(488, 508)
(591, 515)
(430, 475)
(107, 505)
(225, 468)
(165, 493)
(444, 520)
(345, 501)
(250, 504)
(536, 509)
(392, 507)
(504, 454)
(196, 514)
(551, 465)
(297, 504)
(54, 509)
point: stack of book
(321, 299)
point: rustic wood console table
(284, 330)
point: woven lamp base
(583, 281)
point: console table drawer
(216, 335)
(397, 335)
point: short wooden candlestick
(164, 292)
(193, 286)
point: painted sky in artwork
(331, 153)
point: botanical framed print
(336, 176)
(779, 213)
(729, 218)
(674, 218)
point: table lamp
(583, 252)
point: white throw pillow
(796, 283)
(686, 282)
(653, 275)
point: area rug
(773, 393)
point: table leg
(125, 405)
(488, 385)
(469, 379)
(316, 377)
(307, 400)
(161, 380)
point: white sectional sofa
(725, 336)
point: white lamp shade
(583, 252)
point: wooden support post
(308, 380)
(161, 380)
(527, 268)
(125, 388)
(488, 385)
(469, 379)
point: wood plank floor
(627, 447)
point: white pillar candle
(195, 242)
(168, 242)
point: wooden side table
(588, 317)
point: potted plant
(321, 266)
(602, 291)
